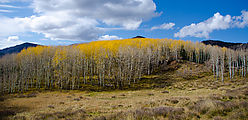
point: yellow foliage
(107, 48)
(59, 56)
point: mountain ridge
(17, 48)
(231, 45)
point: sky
(65, 22)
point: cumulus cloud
(80, 19)
(10, 41)
(217, 22)
(64, 27)
(125, 13)
(109, 37)
(165, 26)
(241, 21)
(10, 26)
(13, 38)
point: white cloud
(64, 27)
(6, 1)
(6, 11)
(13, 38)
(8, 6)
(10, 1)
(10, 41)
(165, 26)
(241, 21)
(109, 37)
(81, 19)
(217, 22)
(10, 26)
(125, 13)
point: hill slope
(16, 49)
(235, 46)
(186, 92)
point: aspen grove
(115, 63)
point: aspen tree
(230, 59)
(107, 63)
(223, 63)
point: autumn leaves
(116, 64)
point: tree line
(116, 63)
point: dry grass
(197, 97)
(89, 105)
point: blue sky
(56, 22)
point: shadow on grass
(8, 111)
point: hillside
(235, 46)
(132, 79)
(184, 90)
(116, 64)
(16, 49)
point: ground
(187, 92)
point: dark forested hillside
(16, 49)
(235, 46)
(139, 37)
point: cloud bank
(79, 19)
(217, 22)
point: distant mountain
(235, 46)
(139, 37)
(16, 49)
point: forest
(115, 63)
